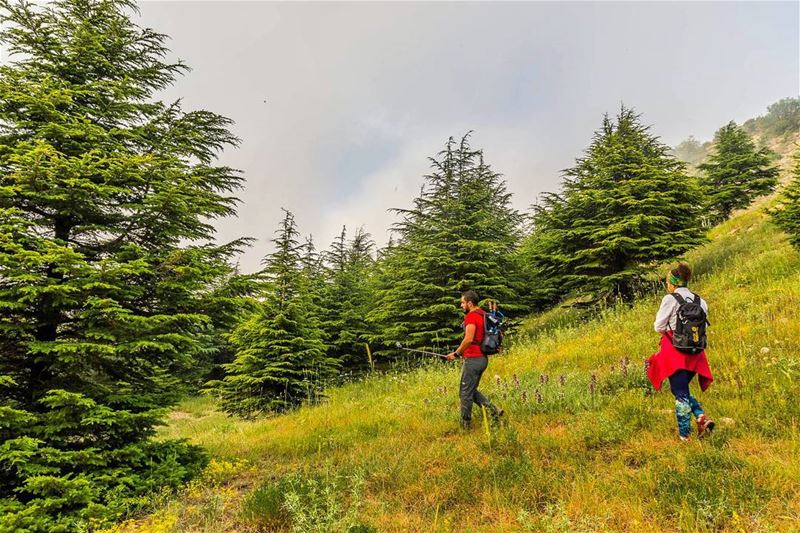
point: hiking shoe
(499, 416)
(704, 426)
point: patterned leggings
(686, 405)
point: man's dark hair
(470, 296)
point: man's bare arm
(469, 336)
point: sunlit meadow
(588, 445)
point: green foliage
(311, 502)
(783, 117)
(787, 211)
(347, 298)
(461, 234)
(227, 301)
(106, 198)
(575, 457)
(265, 507)
(625, 205)
(280, 357)
(736, 172)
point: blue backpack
(492, 331)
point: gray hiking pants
(471, 372)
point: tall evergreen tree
(625, 205)
(736, 172)
(228, 301)
(460, 234)
(348, 298)
(280, 358)
(541, 254)
(313, 270)
(787, 212)
(101, 299)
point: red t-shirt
(475, 317)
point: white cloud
(358, 95)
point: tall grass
(588, 445)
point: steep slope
(588, 445)
(579, 452)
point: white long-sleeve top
(668, 312)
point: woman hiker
(681, 323)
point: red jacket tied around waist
(668, 360)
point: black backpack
(690, 329)
(492, 333)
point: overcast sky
(339, 105)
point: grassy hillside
(588, 446)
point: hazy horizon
(339, 105)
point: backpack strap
(698, 300)
(680, 300)
(695, 299)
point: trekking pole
(421, 351)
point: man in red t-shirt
(475, 362)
